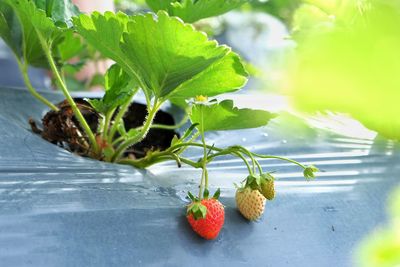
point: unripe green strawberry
(268, 189)
(250, 202)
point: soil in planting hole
(62, 128)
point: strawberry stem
(77, 113)
(280, 158)
(238, 154)
(24, 71)
(204, 174)
(249, 154)
(157, 158)
(107, 121)
(141, 135)
(237, 151)
(118, 118)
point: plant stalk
(278, 157)
(204, 174)
(194, 137)
(144, 162)
(171, 127)
(249, 154)
(70, 100)
(140, 136)
(107, 120)
(254, 154)
(245, 161)
(123, 109)
(24, 71)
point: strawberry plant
(166, 60)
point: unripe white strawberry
(251, 203)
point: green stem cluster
(141, 134)
(109, 125)
(174, 153)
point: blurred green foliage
(130, 6)
(348, 61)
(191, 11)
(382, 248)
(282, 9)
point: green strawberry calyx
(267, 177)
(309, 172)
(253, 181)
(196, 208)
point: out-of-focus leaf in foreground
(382, 247)
(349, 62)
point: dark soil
(156, 139)
(62, 128)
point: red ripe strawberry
(206, 217)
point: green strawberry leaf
(97, 104)
(175, 140)
(104, 32)
(119, 89)
(26, 27)
(224, 116)
(194, 10)
(116, 77)
(19, 19)
(70, 47)
(184, 64)
(61, 11)
(183, 60)
(189, 131)
(226, 75)
(73, 68)
(10, 30)
(96, 80)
